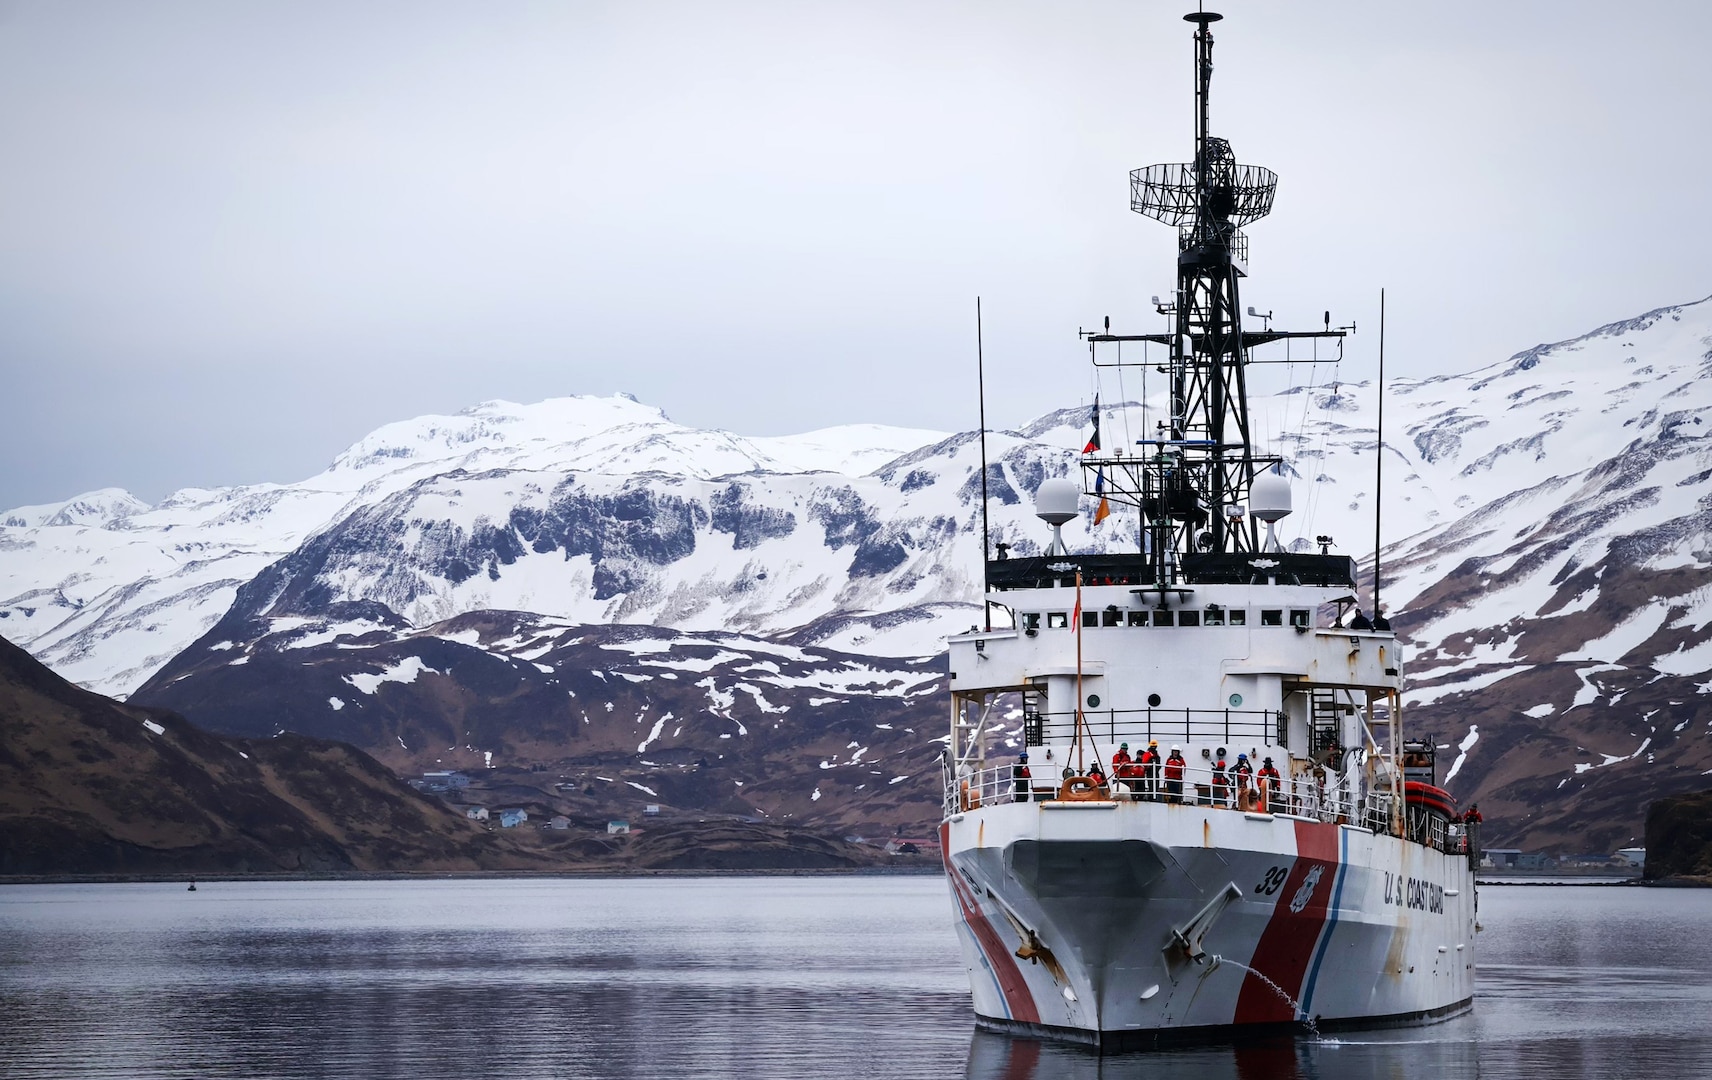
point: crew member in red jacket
(1243, 774)
(1221, 781)
(1174, 775)
(1150, 770)
(1020, 777)
(1267, 788)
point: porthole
(1236, 701)
(1153, 701)
(1093, 701)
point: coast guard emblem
(1306, 892)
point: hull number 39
(1272, 881)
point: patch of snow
(405, 671)
(1464, 746)
(154, 727)
(1429, 694)
(1692, 661)
(1588, 691)
(761, 702)
(1542, 710)
(336, 703)
(815, 797)
(643, 787)
(653, 733)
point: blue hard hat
(1242, 757)
(1023, 756)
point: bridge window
(1138, 618)
(1301, 619)
(1214, 617)
(1111, 617)
(1164, 618)
(1272, 617)
(1090, 618)
(1057, 620)
(1188, 618)
(1031, 620)
(1239, 616)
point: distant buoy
(192, 887)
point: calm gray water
(738, 978)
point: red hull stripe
(1011, 983)
(1286, 946)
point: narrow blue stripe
(1331, 922)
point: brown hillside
(89, 785)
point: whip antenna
(981, 385)
(1379, 470)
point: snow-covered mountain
(106, 589)
(1546, 523)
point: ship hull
(1121, 924)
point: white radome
(1269, 497)
(1057, 501)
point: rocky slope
(1679, 839)
(592, 720)
(88, 785)
(1563, 623)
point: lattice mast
(1195, 476)
(1207, 433)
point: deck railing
(1332, 799)
(1231, 726)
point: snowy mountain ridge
(106, 588)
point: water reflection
(995, 1057)
(739, 978)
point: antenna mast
(986, 549)
(1205, 459)
(1194, 476)
(1379, 463)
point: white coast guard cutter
(1120, 905)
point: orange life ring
(966, 800)
(1082, 789)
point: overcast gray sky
(236, 237)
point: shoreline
(459, 875)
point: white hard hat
(1175, 749)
